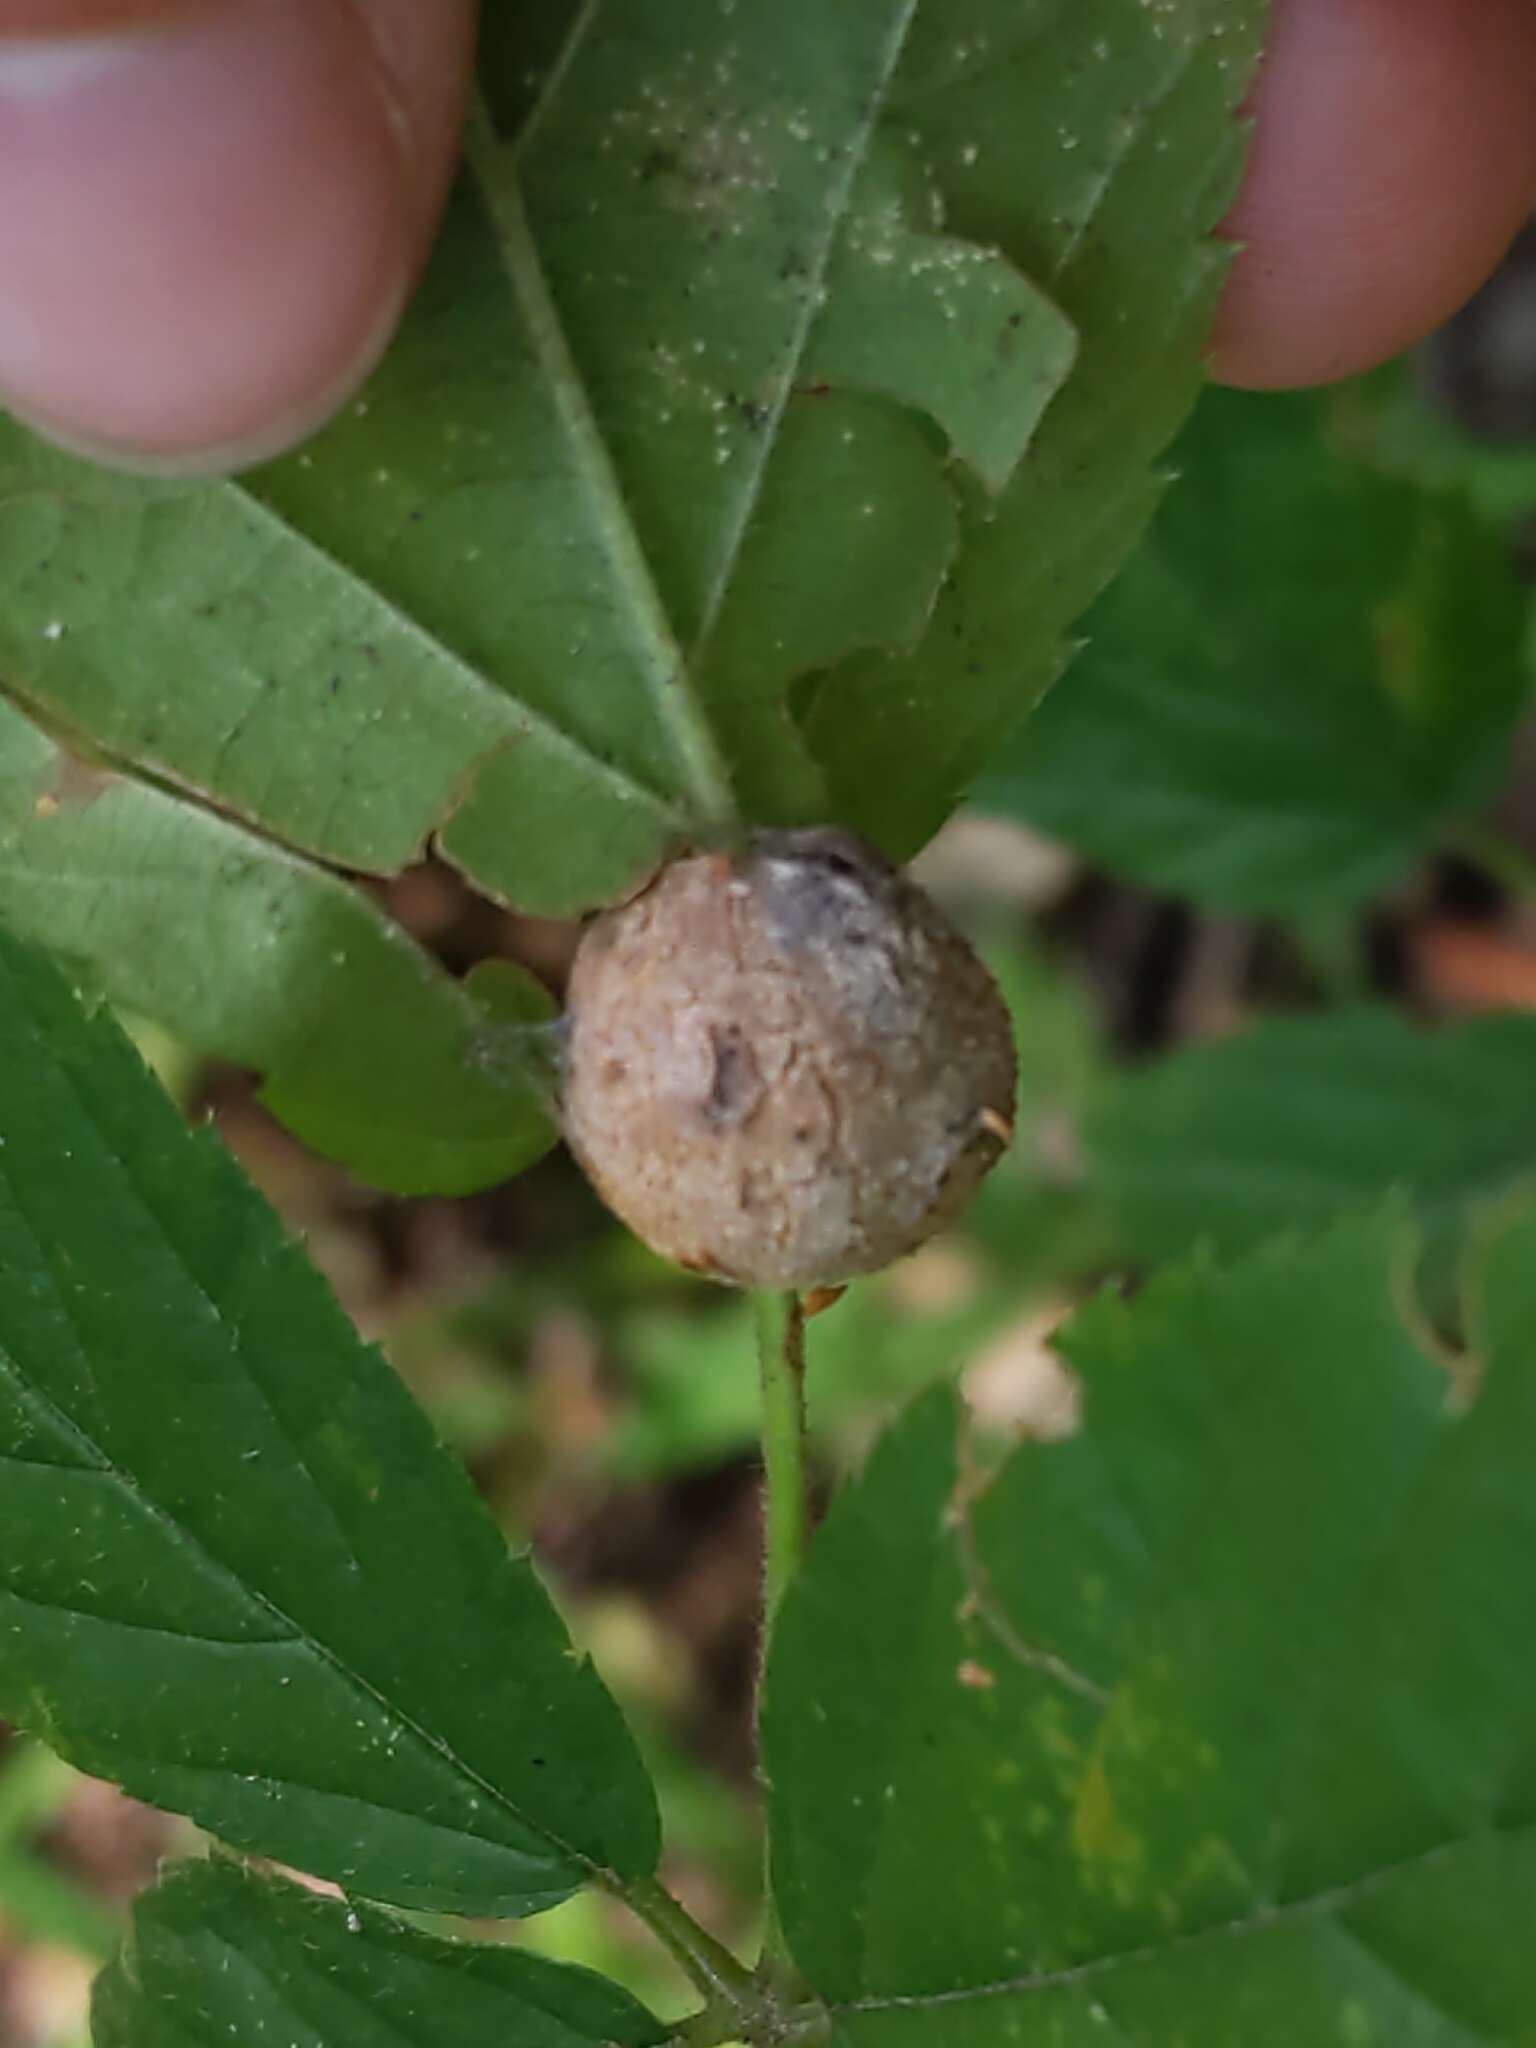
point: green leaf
(1303, 1118)
(1096, 146)
(371, 1054)
(1216, 1720)
(1306, 670)
(237, 1573)
(783, 383)
(340, 648)
(220, 1955)
(758, 334)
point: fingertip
(208, 228)
(1393, 160)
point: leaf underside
(257, 954)
(784, 383)
(1217, 1719)
(238, 1575)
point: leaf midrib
(671, 673)
(1319, 1905)
(664, 668)
(532, 724)
(839, 205)
(525, 721)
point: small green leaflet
(785, 381)
(1308, 667)
(237, 1573)
(1214, 1722)
(218, 1954)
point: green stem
(780, 1322)
(781, 1362)
(769, 2004)
(726, 1984)
(739, 2006)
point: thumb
(212, 211)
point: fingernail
(203, 229)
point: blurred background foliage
(1259, 882)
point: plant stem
(726, 1984)
(780, 1322)
(738, 2002)
(768, 2004)
(781, 1362)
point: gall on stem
(785, 1067)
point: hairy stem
(781, 1361)
(740, 2004)
(780, 1322)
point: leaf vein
(9, 1595)
(1126, 143)
(837, 211)
(554, 78)
(663, 665)
(524, 721)
(1338, 1899)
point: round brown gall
(785, 1067)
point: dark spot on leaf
(657, 163)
